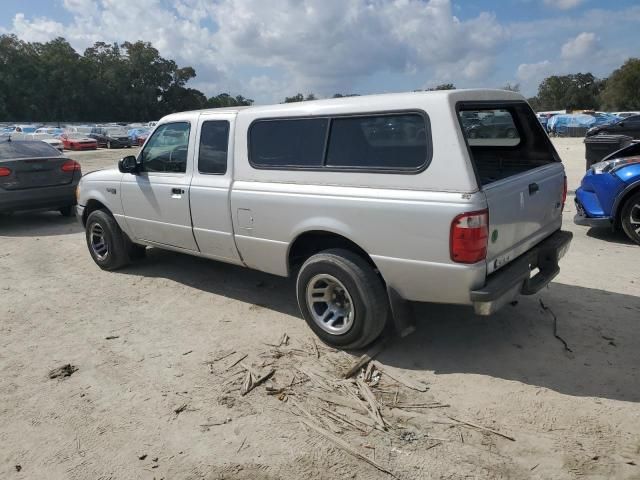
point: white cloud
(563, 4)
(36, 30)
(579, 46)
(322, 46)
(527, 71)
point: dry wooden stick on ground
(420, 387)
(242, 357)
(366, 392)
(345, 446)
(252, 380)
(366, 358)
(480, 427)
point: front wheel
(106, 241)
(342, 299)
(631, 218)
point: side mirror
(128, 164)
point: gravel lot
(156, 394)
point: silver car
(370, 202)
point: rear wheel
(631, 218)
(342, 299)
(68, 211)
(106, 241)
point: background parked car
(609, 194)
(111, 137)
(34, 175)
(139, 135)
(52, 140)
(493, 126)
(626, 126)
(78, 141)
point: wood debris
(407, 382)
(345, 446)
(253, 379)
(64, 371)
(366, 358)
(480, 427)
(374, 406)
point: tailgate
(35, 172)
(520, 174)
(523, 210)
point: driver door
(156, 200)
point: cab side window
(166, 150)
(214, 143)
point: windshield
(76, 136)
(116, 132)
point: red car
(78, 141)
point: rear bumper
(515, 279)
(38, 198)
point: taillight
(70, 166)
(564, 193)
(4, 172)
(470, 237)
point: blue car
(609, 195)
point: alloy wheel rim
(634, 218)
(330, 304)
(98, 242)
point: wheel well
(623, 200)
(91, 206)
(310, 243)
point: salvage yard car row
(82, 137)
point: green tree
(299, 98)
(511, 87)
(226, 100)
(575, 91)
(622, 88)
(444, 86)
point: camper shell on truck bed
(369, 201)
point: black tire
(116, 255)
(630, 217)
(68, 211)
(364, 286)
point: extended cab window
(504, 140)
(214, 144)
(287, 142)
(166, 150)
(394, 141)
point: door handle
(177, 191)
(533, 188)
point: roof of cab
(381, 101)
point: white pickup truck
(371, 202)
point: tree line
(51, 82)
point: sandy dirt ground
(160, 354)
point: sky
(269, 49)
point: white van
(368, 201)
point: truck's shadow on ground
(37, 224)
(602, 329)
